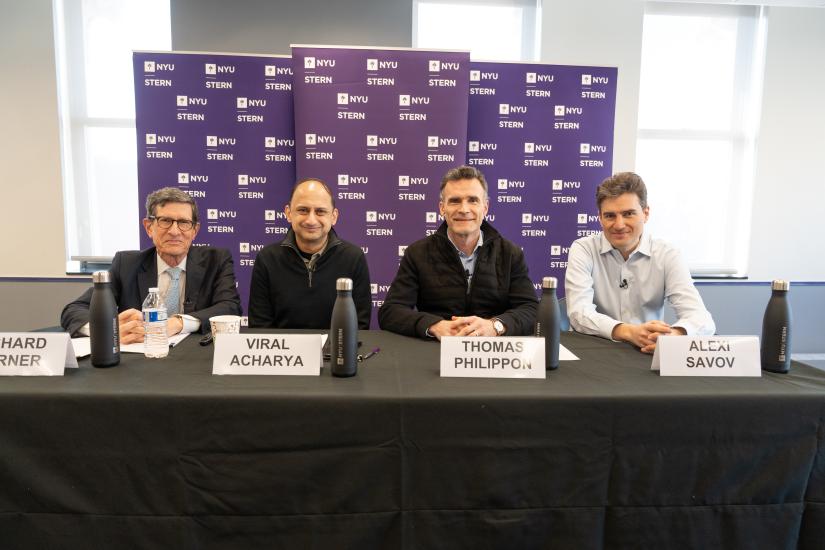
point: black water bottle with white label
(343, 331)
(776, 330)
(548, 322)
(103, 325)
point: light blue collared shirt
(469, 260)
(603, 290)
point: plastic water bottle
(548, 322)
(103, 325)
(343, 331)
(156, 341)
(776, 330)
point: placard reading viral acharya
(219, 127)
(543, 136)
(381, 127)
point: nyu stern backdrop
(381, 127)
(543, 136)
(219, 127)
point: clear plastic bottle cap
(343, 284)
(100, 277)
(153, 289)
(549, 282)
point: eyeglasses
(166, 223)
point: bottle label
(153, 316)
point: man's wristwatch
(498, 326)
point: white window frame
(531, 23)
(744, 127)
(80, 198)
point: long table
(603, 453)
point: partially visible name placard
(35, 354)
(269, 354)
(707, 356)
(497, 357)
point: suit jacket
(210, 286)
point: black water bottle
(103, 325)
(343, 331)
(548, 322)
(776, 330)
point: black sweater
(286, 293)
(431, 286)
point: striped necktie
(173, 293)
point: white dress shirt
(603, 289)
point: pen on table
(370, 354)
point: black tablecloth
(603, 453)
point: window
(699, 98)
(493, 30)
(94, 40)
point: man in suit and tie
(195, 282)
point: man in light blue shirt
(618, 280)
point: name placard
(35, 353)
(269, 354)
(495, 357)
(707, 356)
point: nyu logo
(271, 142)
(375, 141)
(435, 66)
(152, 67)
(476, 146)
(214, 141)
(246, 179)
(214, 214)
(154, 139)
(317, 139)
(584, 218)
(558, 250)
(407, 100)
(345, 179)
(561, 110)
(527, 218)
(185, 101)
(373, 216)
(401, 249)
(272, 70)
(375, 64)
(537, 147)
(245, 103)
(587, 148)
(272, 215)
(431, 217)
(589, 80)
(186, 178)
(212, 69)
(312, 62)
(346, 99)
(435, 141)
(478, 76)
(532, 78)
(506, 109)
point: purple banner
(221, 128)
(381, 127)
(543, 136)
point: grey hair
(166, 195)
